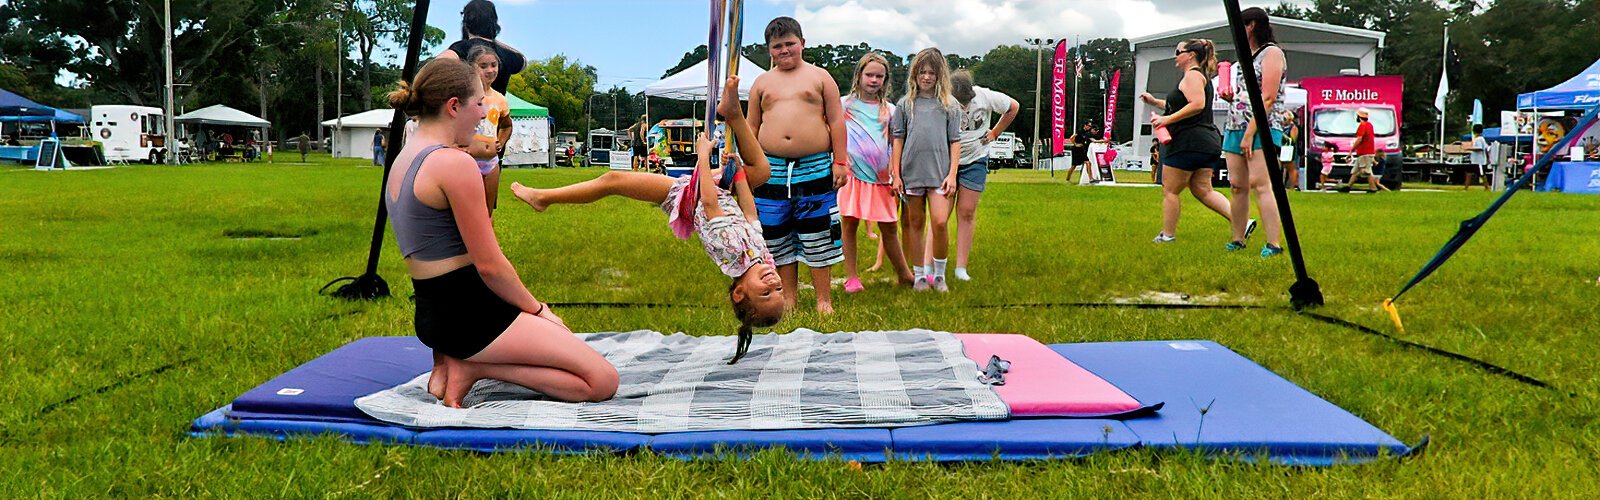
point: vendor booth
(1579, 93)
(25, 124)
(223, 133)
(530, 134)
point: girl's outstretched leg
(640, 186)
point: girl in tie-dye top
(869, 194)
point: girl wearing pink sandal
(868, 194)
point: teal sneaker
(1271, 251)
(1234, 246)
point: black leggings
(458, 315)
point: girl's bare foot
(461, 379)
(530, 196)
(825, 308)
(436, 379)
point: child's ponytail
(746, 333)
(749, 320)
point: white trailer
(130, 133)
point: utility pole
(1038, 45)
(1077, 74)
(172, 157)
(338, 97)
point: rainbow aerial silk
(731, 13)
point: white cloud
(972, 27)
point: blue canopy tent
(16, 110)
(12, 104)
(1492, 134)
(58, 116)
(1579, 92)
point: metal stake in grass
(1304, 292)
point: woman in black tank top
(1195, 147)
(472, 309)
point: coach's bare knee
(603, 384)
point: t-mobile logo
(1349, 95)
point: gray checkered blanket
(675, 383)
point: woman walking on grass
(471, 307)
(1247, 167)
(1196, 147)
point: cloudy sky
(632, 42)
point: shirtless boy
(796, 114)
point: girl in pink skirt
(868, 194)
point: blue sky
(631, 42)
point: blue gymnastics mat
(1256, 411)
(1253, 413)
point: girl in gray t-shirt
(927, 135)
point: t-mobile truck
(1331, 104)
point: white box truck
(130, 133)
(1004, 150)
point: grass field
(111, 274)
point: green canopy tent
(530, 133)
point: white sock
(938, 267)
(961, 274)
(918, 272)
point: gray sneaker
(939, 285)
(921, 285)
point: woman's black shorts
(1192, 160)
(458, 315)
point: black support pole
(369, 285)
(1304, 292)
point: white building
(353, 133)
(1313, 49)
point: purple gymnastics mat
(1257, 413)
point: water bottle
(1225, 80)
(1162, 135)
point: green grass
(109, 274)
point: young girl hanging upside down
(725, 216)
